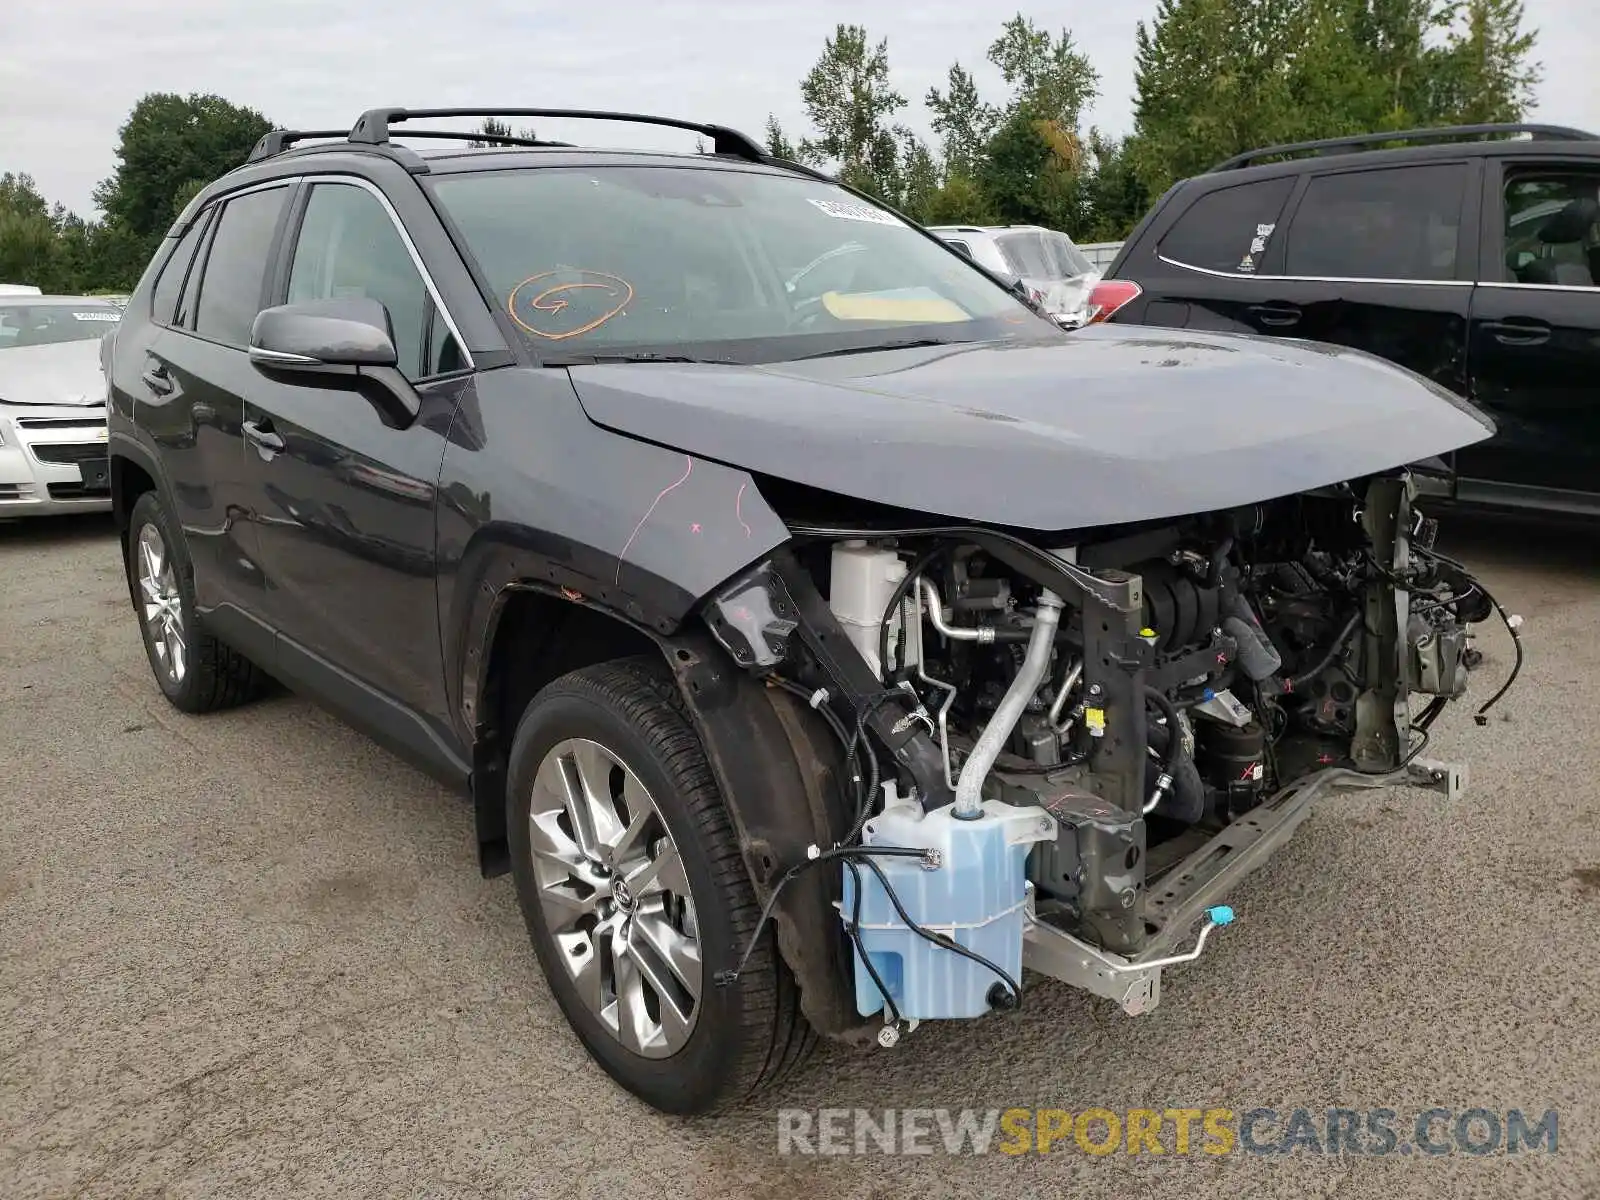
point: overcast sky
(69, 74)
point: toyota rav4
(822, 634)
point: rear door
(1198, 263)
(343, 484)
(1380, 259)
(192, 372)
(1535, 347)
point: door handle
(1276, 313)
(157, 380)
(1518, 333)
(262, 436)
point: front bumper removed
(1191, 889)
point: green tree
(493, 127)
(27, 249)
(1030, 170)
(1216, 77)
(1113, 200)
(1484, 74)
(917, 177)
(850, 101)
(778, 145)
(168, 143)
(1049, 76)
(963, 122)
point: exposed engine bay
(1058, 755)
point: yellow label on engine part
(1094, 718)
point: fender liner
(780, 775)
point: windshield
(705, 263)
(46, 324)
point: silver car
(53, 404)
(1057, 274)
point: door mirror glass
(324, 335)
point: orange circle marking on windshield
(552, 302)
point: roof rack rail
(494, 139)
(1439, 134)
(373, 127)
(277, 141)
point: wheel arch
(776, 766)
(134, 471)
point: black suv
(1472, 257)
(821, 633)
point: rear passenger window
(1229, 229)
(230, 293)
(1397, 223)
(165, 297)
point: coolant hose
(1035, 666)
(1169, 758)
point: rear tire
(609, 782)
(196, 672)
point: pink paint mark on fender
(738, 508)
(688, 469)
(695, 528)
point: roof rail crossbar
(276, 141)
(1439, 134)
(373, 127)
(494, 139)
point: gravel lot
(251, 955)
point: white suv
(1055, 271)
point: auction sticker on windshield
(96, 316)
(853, 212)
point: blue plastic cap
(1210, 695)
(1220, 915)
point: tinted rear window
(230, 293)
(1229, 229)
(165, 297)
(1396, 223)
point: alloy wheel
(161, 604)
(615, 898)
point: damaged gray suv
(823, 636)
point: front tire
(636, 895)
(196, 672)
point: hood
(1103, 426)
(58, 373)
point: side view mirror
(350, 336)
(331, 336)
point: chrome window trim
(1593, 288)
(224, 197)
(411, 248)
(1172, 262)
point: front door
(1535, 348)
(343, 481)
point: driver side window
(349, 247)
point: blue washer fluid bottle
(975, 896)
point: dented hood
(1102, 427)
